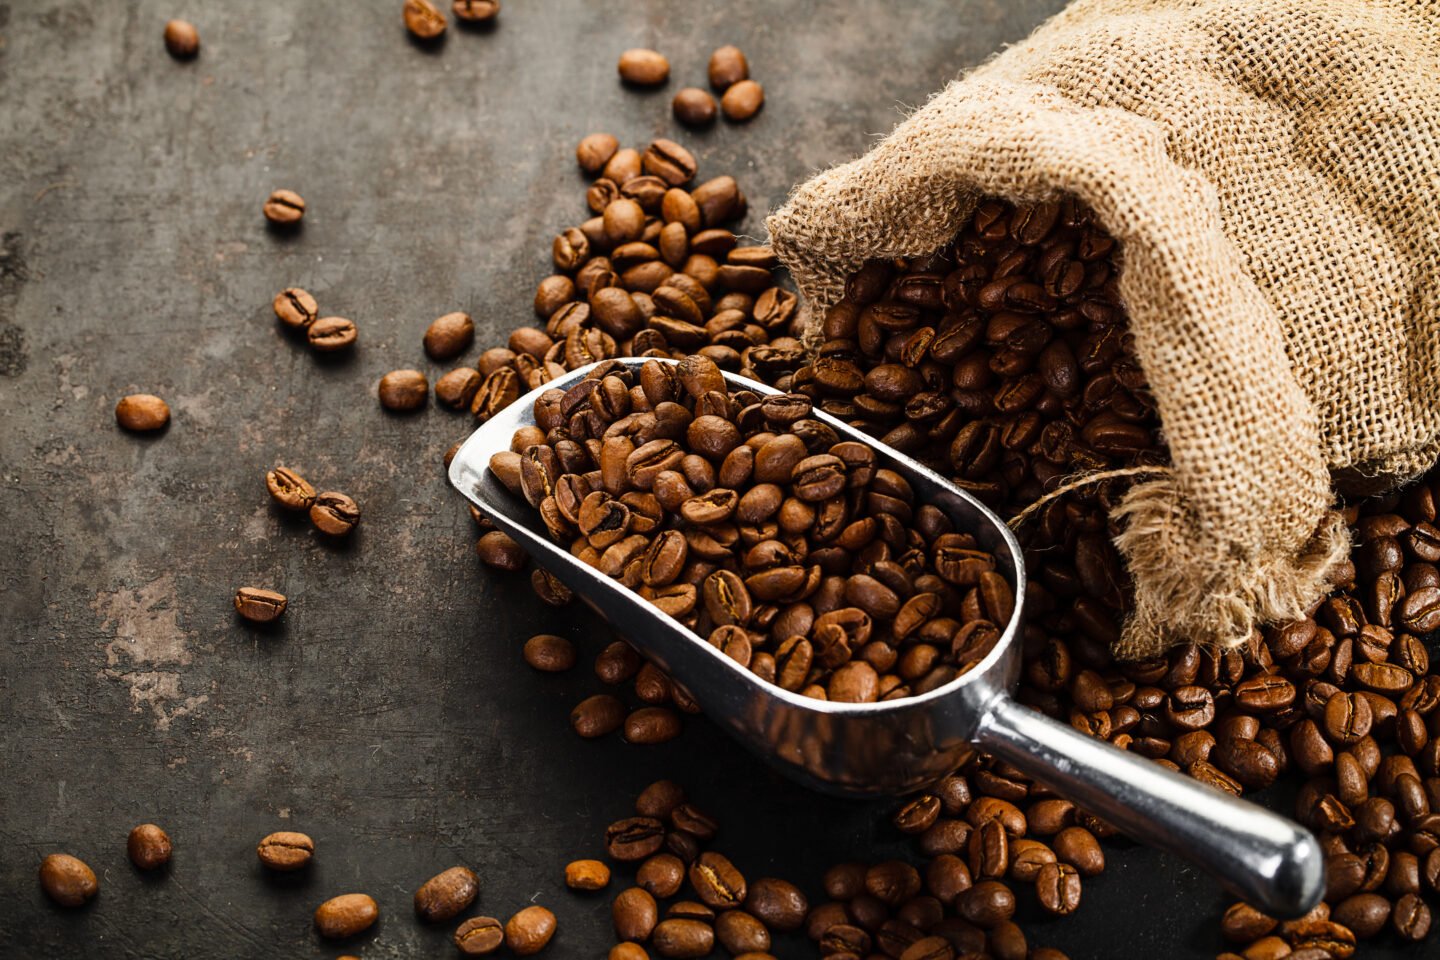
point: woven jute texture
(1271, 169)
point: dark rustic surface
(390, 716)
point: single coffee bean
(479, 936)
(549, 653)
(476, 11)
(284, 208)
(142, 412)
(295, 308)
(1410, 919)
(652, 725)
(499, 551)
(1079, 848)
(644, 68)
(679, 938)
(331, 334)
(727, 67)
(446, 894)
(634, 914)
(694, 107)
(892, 882)
(449, 336)
(346, 915)
(182, 39)
(586, 875)
(597, 715)
(67, 880)
(717, 882)
(529, 931)
(1058, 887)
(742, 101)
(662, 875)
(741, 934)
(457, 388)
(403, 390)
(148, 846)
(289, 489)
(777, 903)
(627, 951)
(634, 838)
(259, 605)
(595, 151)
(990, 903)
(285, 850)
(334, 513)
(423, 19)
(669, 161)
(659, 799)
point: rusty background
(390, 716)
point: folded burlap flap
(1272, 171)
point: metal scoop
(896, 746)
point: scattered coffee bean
(742, 101)
(449, 336)
(259, 605)
(148, 846)
(549, 653)
(182, 39)
(634, 914)
(652, 725)
(529, 931)
(694, 107)
(476, 11)
(142, 412)
(334, 513)
(479, 936)
(424, 19)
(284, 208)
(598, 715)
(728, 67)
(67, 880)
(678, 938)
(289, 489)
(331, 334)
(295, 308)
(285, 850)
(457, 388)
(644, 68)
(346, 915)
(586, 875)
(592, 154)
(499, 551)
(403, 391)
(446, 894)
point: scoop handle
(1267, 860)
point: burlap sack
(1272, 170)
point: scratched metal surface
(390, 717)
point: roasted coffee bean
(403, 390)
(727, 67)
(777, 903)
(549, 653)
(652, 725)
(680, 938)
(142, 413)
(331, 334)
(289, 489)
(446, 894)
(662, 875)
(334, 513)
(479, 936)
(346, 915)
(634, 914)
(634, 838)
(529, 931)
(1079, 848)
(694, 107)
(285, 850)
(586, 875)
(295, 308)
(457, 388)
(284, 208)
(449, 336)
(497, 550)
(259, 605)
(595, 151)
(659, 799)
(1410, 918)
(990, 903)
(67, 880)
(644, 68)
(1058, 887)
(476, 11)
(182, 40)
(717, 882)
(598, 715)
(742, 100)
(740, 933)
(148, 846)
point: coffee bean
(644, 68)
(334, 513)
(479, 936)
(728, 67)
(742, 101)
(284, 208)
(717, 882)
(457, 388)
(595, 151)
(529, 931)
(681, 938)
(1410, 918)
(423, 19)
(285, 850)
(498, 550)
(659, 799)
(741, 934)
(476, 11)
(67, 880)
(446, 894)
(403, 390)
(627, 951)
(669, 161)
(331, 334)
(182, 39)
(549, 653)
(1078, 847)
(597, 715)
(259, 605)
(694, 107)
(295, 308)
(449, 336)
(1058, 887)
(777, 903)
(142, 412)
(634, 914)
(586, 875)
(346, 915)
(662, 875)
(634, 838)
(148, 846)
(651, 725)
(990, 903)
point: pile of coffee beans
(797, 554)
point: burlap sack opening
(1272, 171)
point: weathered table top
(391, 716)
